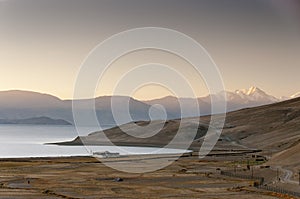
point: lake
(29, 141)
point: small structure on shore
(106, 154)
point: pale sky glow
(44, 42)
(152, 72)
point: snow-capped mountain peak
(248, 97)
(295, 95)
(255, 94)
(250, 91)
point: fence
(260, 183)
(243, 176)
(279, 190)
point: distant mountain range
(20, 105)
(239, 99)
(35, 121)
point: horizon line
(161, 97)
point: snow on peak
(255, 94)
(296, 95)
(250, 91)
(253, 90)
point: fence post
(299, 176)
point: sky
(254, 43)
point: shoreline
(186, 153)
(41, 158)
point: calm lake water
(29, 141)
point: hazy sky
(43, 43)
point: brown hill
(274, 129)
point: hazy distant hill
(27, 99)
(35, 121)
(174, 105)
(25, 104)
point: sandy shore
(86, 177)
